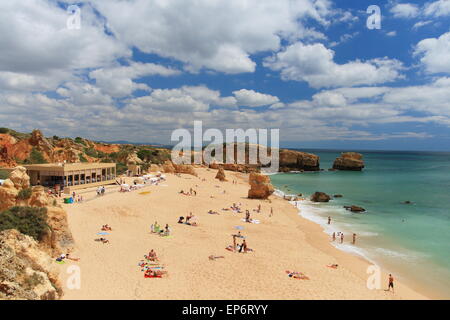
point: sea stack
(260, 186)
(351, 161)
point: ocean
(410, 240)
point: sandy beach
(282, 242)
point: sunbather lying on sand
(297, 275)
(152, 273)
(106, 228)
(213, 212)
(103, 240)
(333, 266)
(211, 257)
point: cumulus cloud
(434, 54)
(217, 35)
(439, 8)
(405, 10)
(251, 98)
(38, 48)
(315, 64)
(118, 81)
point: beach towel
(103, 233)
(149, 276)
(145, 192)
(239, 227)
(60, 262)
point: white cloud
(439, 8)
(421, 24)
(435, 53)
(250, 98)
(314, 64)
(391, 33)
(38, 48)
(405, 10)
(118, 81)
(217, 35)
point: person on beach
(391, 283)
(152, 255)
(342, 237)
(243, 246)
(354, 238)
(329, 220)
(180, 219)
(271, 212)
(247, 216)
(334, 236)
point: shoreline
(285, 241)
(415, 287)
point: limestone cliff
(351, 161)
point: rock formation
(355, 209)
(260, 186)
(59, 237)
(291, 160)
(186, 169)
(155, 168)
(320, 197)
(351, 161)
(168, 167)
(26, 272)
(221, 175)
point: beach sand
(282, 242)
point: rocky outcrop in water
(320, 197)
(260, 186)
(351, 161)
(355, 209)
(291, 160)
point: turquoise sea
(410, 240)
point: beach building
(71, 176)
(134, 170)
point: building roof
(69, 166)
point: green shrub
(35, 157)
(4, 130)
(121, 168)
(27, 220)
(4, 174)
(82, 158)
(80, 141)
(24, 194)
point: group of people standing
(341, 234)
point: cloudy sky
(136, 70)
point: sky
(325, 73)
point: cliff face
(26, 272)
(58, 238)
(351, 161)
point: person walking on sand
(329, 220)
(342, 237)
(271, 212)
(354, 238)
(334, 236)
(391, 283)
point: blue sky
(138, 70)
